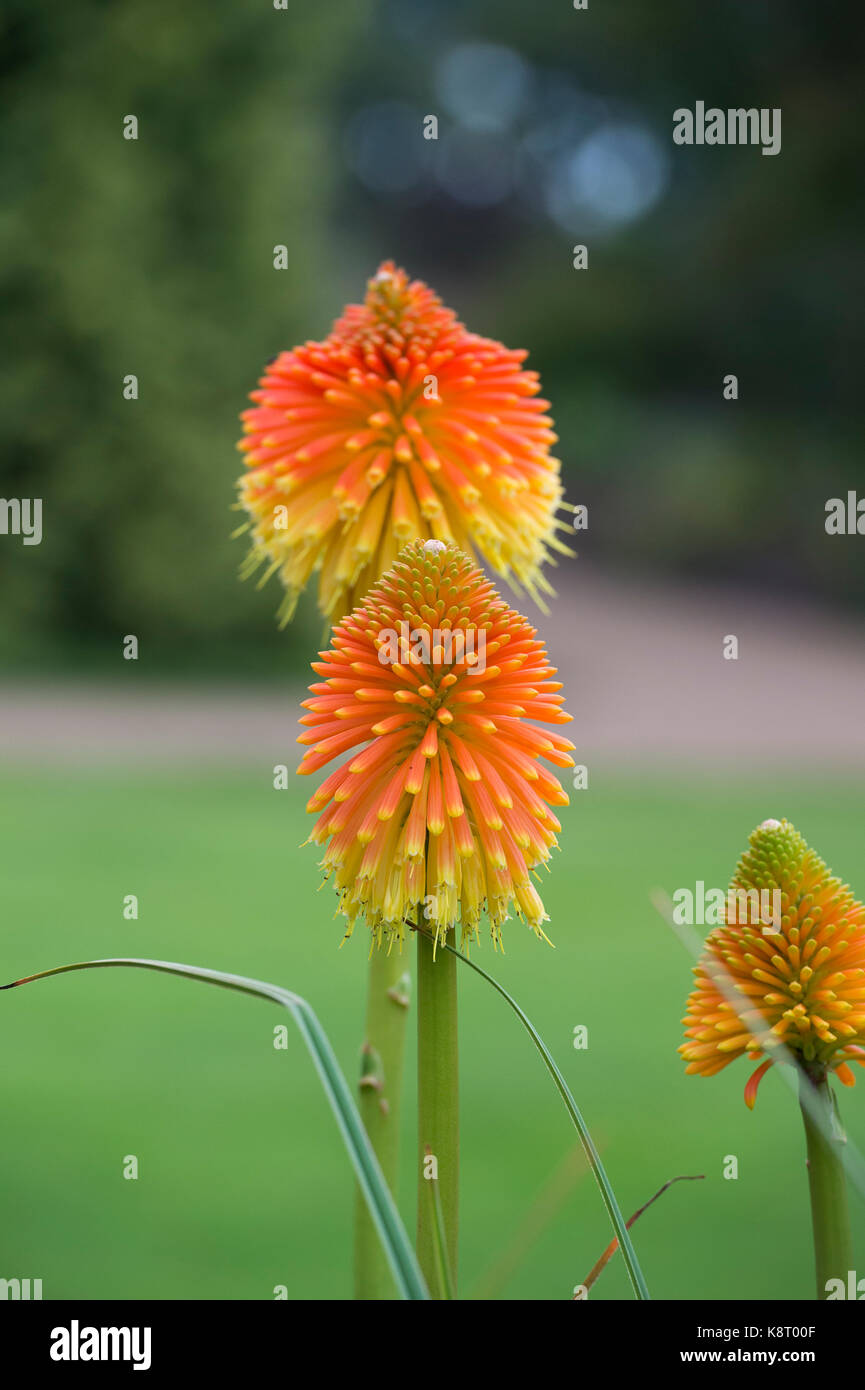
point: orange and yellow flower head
(436, 688)
(787, 965)
(400, 425)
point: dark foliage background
(303, 127)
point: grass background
(243, 1182)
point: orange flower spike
(434, 812)
(803, 983)
(400, 425)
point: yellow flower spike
(434, 812)
(789, 958)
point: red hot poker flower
(400, 425)
(433, 684)
(802, 985)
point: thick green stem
(382, 1063)
(833, 1249)
(438, 1107)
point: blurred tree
(154, 257)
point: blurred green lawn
(243, 1183)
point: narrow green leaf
(382, 1208)
(613, 1246)
(628, 1253)
(440, 1245)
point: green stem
(438, 1106)
(833, 1248)
(382, 1064)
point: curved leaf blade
(601, 1264)
(382, 1208)
(635, 1273)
